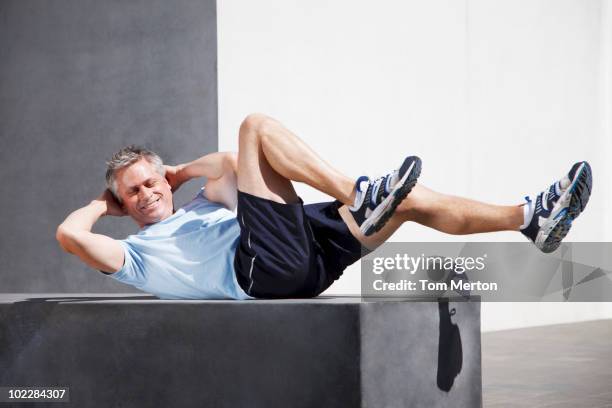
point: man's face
(146, 194)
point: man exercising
(275, 246)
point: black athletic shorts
(291, 250)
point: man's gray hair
(126, 157)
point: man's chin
(144, 220)
(151, 219)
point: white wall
(498, 98)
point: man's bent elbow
(231, 160)
(62, 235)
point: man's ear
(123, 208)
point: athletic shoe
(556, 208)
(376, 201)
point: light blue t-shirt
(189, 255)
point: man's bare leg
(270, 156)
(445, 213)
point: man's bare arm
(220, 171)
(98, 251)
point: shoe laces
(377, 184)
(552, 195)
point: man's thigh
(255, 175)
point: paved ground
(567, 365)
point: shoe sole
(383, 212)
(567, 209)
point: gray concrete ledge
(136, 350)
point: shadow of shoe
(450, 351)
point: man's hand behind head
(174, 177)
(112, 206)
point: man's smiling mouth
(149, 205)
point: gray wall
(79, 79)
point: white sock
(359, 195)
(528, 209)
(356, 205)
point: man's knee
(256, 125)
